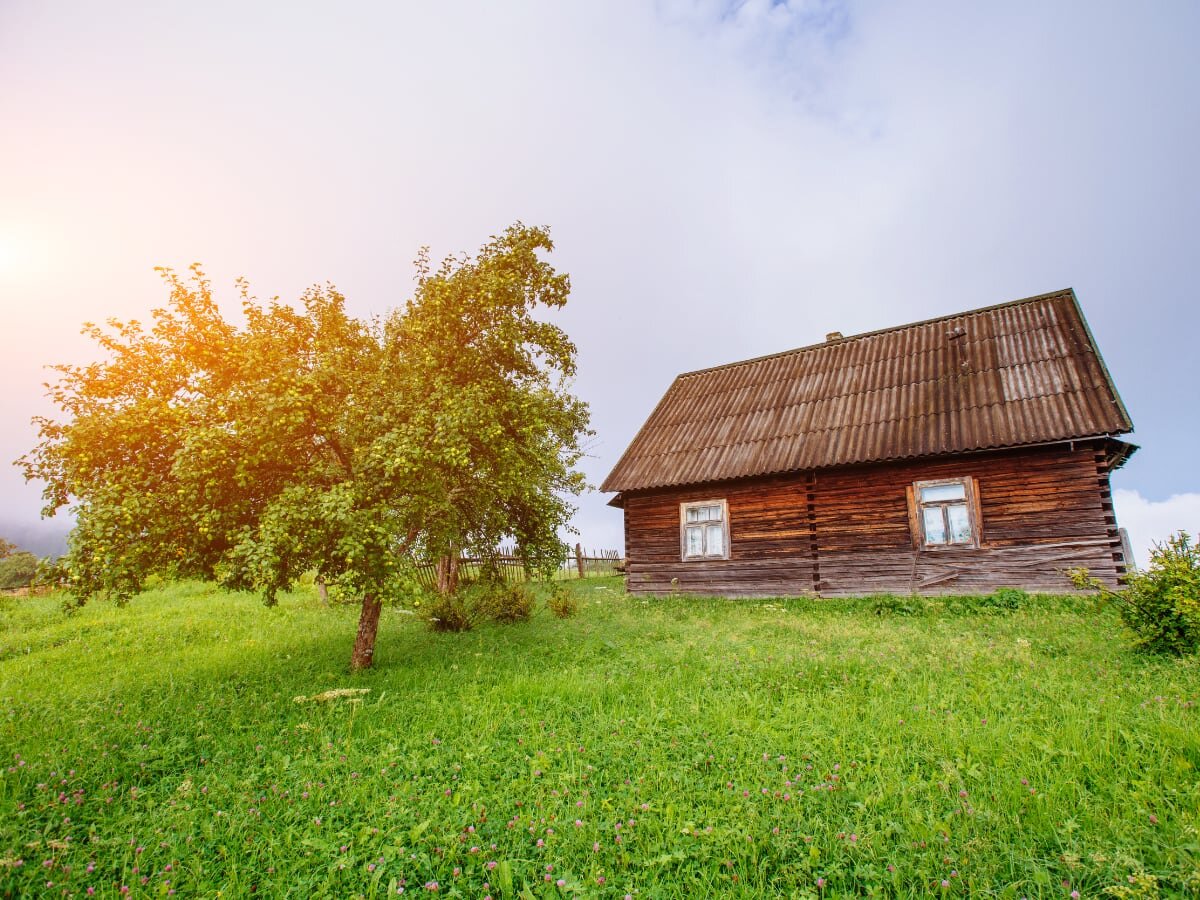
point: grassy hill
(677, 748)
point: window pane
(960, 523)
(695, 541)
(940, 492)
(716, 540)
(935, 526)
(693, 514)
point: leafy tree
(17, 570)
(6, 549)
(308, 439)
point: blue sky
(723, 179)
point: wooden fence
(581, 563)
(577, 562)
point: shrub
(500, 601)
(1161, 606)
(17, 570)
(495, 601)
(448, 613)
(561, 602)
(1006, 598)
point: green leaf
(504, 877)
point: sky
(722, 180)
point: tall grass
(671, 748)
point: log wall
(846, 531)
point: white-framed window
(704, 529)
(945, 513)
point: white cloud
(1150, 521)
(724, 179)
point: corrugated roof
(1024, 372)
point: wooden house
(955, 455)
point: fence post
(579, 559)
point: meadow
(197, 743)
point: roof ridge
(1068, 292)
(866, 392)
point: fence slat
(575, 561)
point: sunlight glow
(23, 256)
(9, 255)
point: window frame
(683, 526)
(916, 513)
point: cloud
(1150, 521)
(724, 179)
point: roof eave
(1112, 385)
(606, 486)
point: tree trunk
(368, 627)
(447, 573)
(323, 591)
(443, 575)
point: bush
(494, 601)
(1161, 606)
(562, 602)
(17, 571)
(1006, 598)
(500, 601)
(448, 613)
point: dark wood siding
(846, 530)
(770, 540)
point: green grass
(749, 748)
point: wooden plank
(1040, 510)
